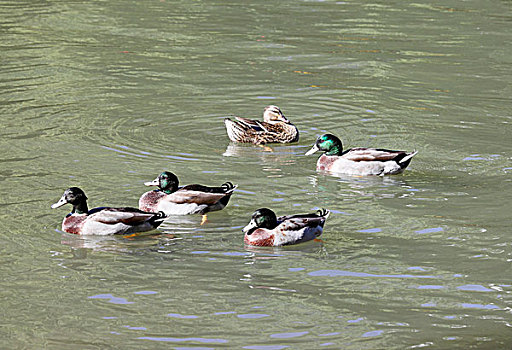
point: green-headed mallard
(265, 229)
(104, 220)
(275, 128)
(190, 199)
(358, 161)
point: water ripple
(198, 340)
(288, 335)
(252, 316)
(182, 316)
(474, 288)
(341, 273)
(111, 299)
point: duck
(358, 161)
(172, 199)
(267, 230)
(104, 220)
(275, 128)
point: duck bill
(249, 229)
(313, 149)
(60, 203)
(155, 182)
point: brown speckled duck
(104, 220)
(275, 128)
(190, 199)
(358, 161)
(265, 229)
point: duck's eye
(326, 144)
(260, 220)
(70, 195)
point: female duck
(275, 128)
(358, 161)
(267, 230)
(190, 199)
(104, 220)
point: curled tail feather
(323, 212)
(228, 187)
(158, 218)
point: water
(105, 95)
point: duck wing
(372, 154)
(247, 123)
(225, 188)
(259, 127)
(298, 222)
(126, 215)
(199, 194)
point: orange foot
(204, 219)
(266, 148)
(131, 236)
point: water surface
(106, 94)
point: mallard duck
(358, 161)
(104, 220)
(190, 199)
(265, 229)
(275, 128)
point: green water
(104, 95)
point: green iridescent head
(262, 218)
(327, 143)
(166, 182)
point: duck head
(262, 218)
(166, 181)
(76, 197)
(272, 115)
(327, 143)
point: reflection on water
(335, 273)
(269, 152)
(297, 251)
(193, 340)
(129, 244)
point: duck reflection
(367, 186)
(269, 253)
(127, 244)
(275, 153)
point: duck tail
(323, 212)
(404, 162)
(228, 187)
(408, 156)
(234, 130)
(158, 218)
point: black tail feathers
(322, 212)
(404, 159)
(158, 218)
(227, 186)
